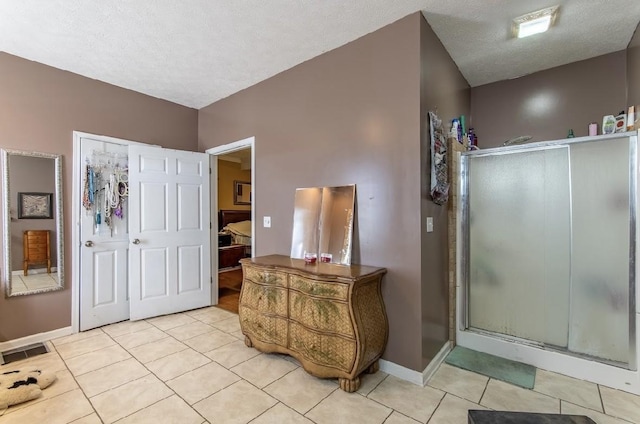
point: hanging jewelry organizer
(105, 189)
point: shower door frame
(535, 353)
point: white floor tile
(300, 390)
(342, 407)
(237, 404)
(576, 391)
(413, 401)
(177, 364)
(507, 397)
(621, 404)
(129, 398)
(263, 369)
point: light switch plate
(266, 222)
(429, 224)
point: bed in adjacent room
(234, 237)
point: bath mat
(513, 372)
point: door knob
(88, 243)
(136, 241)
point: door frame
(245, 143)
(76, 204)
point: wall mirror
(241, 193)
(32, 212)
(323, 224)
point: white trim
(249, 142)
(435, 363)
(35, 338)
(218, 151)
(75, 216)
(416, 377)
(401, 372)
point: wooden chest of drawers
(329, 317)
(36, 249)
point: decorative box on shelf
(330, 317)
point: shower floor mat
(513, 372)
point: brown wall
(633, 71)
(443, 90)
(228, 172)
(35, 175)
(40, 106)
(546, 104)
(351, 115)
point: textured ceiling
(195, 52)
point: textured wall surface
(444, 90)
(349, 116)
(40, 107)
(546, 104)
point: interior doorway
(233, 171)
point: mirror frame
(6, 210)
(237, 187)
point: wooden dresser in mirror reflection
(37, 249)
(329, 317)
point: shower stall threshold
(566, 363)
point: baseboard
(416, 377)
(35, 338)
(401, 372)
(435, 363)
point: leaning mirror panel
(32, 214)
(323, 224)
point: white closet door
(104, 253)
(169, 262)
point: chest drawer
(268, 329)
(265, 276)
(264, 298)
(322, 314)
(338, 291)
(323, 349)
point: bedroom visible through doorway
(233, 208)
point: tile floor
(22, 283)
(193, 367)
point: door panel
(153, 206)
(189, 260)
(169, 202)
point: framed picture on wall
(241, 193)
(35, 205)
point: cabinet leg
(247, 341)
(373, 368)
(349, 386)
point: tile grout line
(436, 408)
(161, 381)
(486, 386)
(78, 384)
(601, 400)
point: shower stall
(547, 257)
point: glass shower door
(550, 245)
(520, 244)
